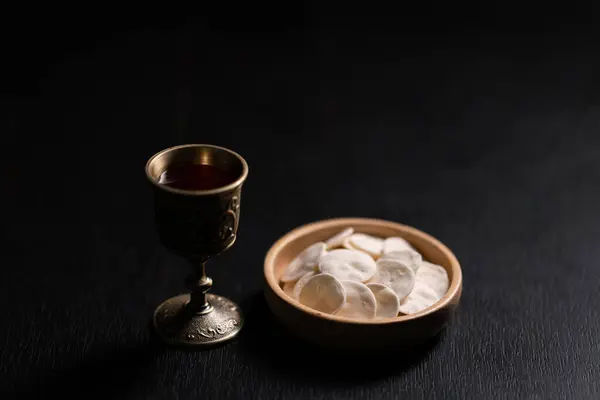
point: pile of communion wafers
(361, 276)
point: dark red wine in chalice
(196, 177)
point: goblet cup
(197, 225)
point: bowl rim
(453, 291)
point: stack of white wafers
(364, 277)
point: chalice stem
(199, 288)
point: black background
(477, 125)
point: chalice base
(177, 324)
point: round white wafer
(421, 297)
(340, 269)
(338, 240)
(304, 262)
(435, 277)
(347, 264)
(360, 301)
(323, 293)
(388, 304)
(367, 243)
(301, 283)
(409, 257)
(395, 243)
(396, 275)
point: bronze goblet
(197, 222)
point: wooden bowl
(337, 331)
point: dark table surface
(487, 140)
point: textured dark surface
(489, 142)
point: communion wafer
(360, 301)
(367, 243)
(395, 243)
(435, 277)
(341, 270)
(409, 257)
(388, 304)
(396, 275)
(347, 264)
(301, 283)
(338, 239)
(323, 292)
(304, 262)
(421, 297)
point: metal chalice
(197, 225)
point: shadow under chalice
(267, 341)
